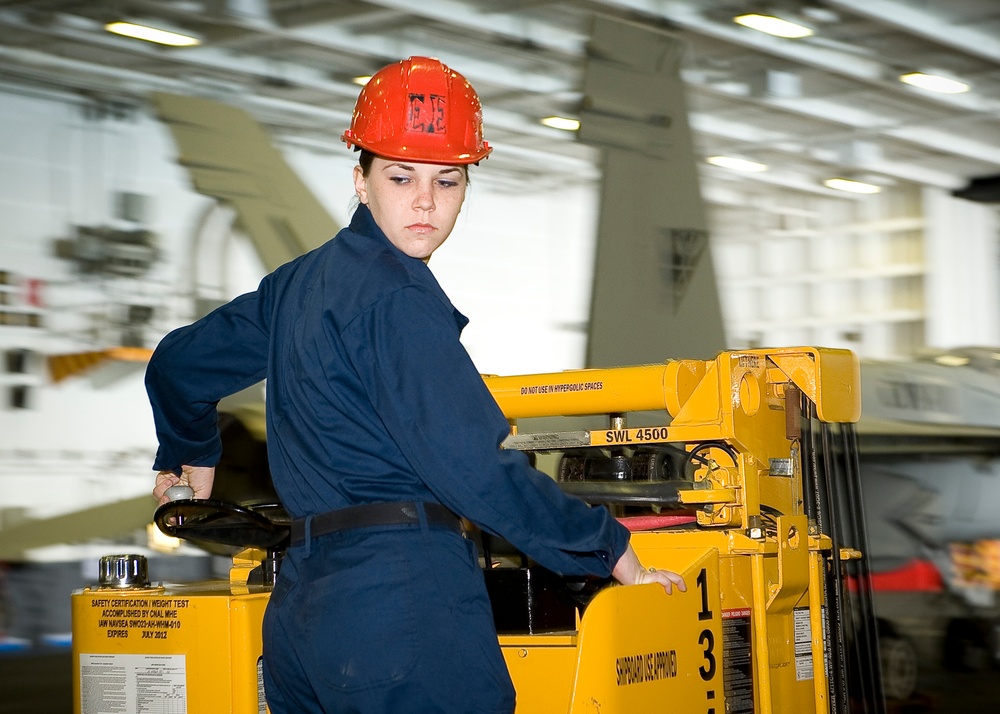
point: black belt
(373, 514)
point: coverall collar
(363, 223)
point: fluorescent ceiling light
(952, 360)
(851, 186)
(362, 80)
(737, 164)
(152, 34)
(934, 82)
(773, 26)
(563, 123)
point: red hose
(650, 523)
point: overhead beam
(246, 72)
(774, 141)
(867, 71)
(860, 123)
(921, 23)
(497, 21)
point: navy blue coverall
(372, 398)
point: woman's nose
(424, 200)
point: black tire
(899, 666)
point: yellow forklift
(739, 473)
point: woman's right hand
(199, 478)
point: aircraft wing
(924, 406)
(107, 520)
(230, 158)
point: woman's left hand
(629, 571)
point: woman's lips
(421, 228)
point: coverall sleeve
(435, 405)
(194, 367)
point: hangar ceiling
(830, 104)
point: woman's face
(414, 204)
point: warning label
(261, 699)
(143, 618)
(646, 667)
(562, 388)
(803, 644)
(133, 684)
(737, 660)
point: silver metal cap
(123, 571)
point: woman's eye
(399, 179)
(447, 183)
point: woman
(380, 430)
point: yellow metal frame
(758, 599)
(737, 399)
(829, 377)
(197, 647)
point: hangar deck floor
(41, 683)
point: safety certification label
(737, 660)
(150, 618)
(133, 684)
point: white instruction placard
(803, 644)
(133, 684)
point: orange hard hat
(419, 109)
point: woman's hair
(365, 162)
(366, 158)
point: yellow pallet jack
(739, 473)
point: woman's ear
(360, 185)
